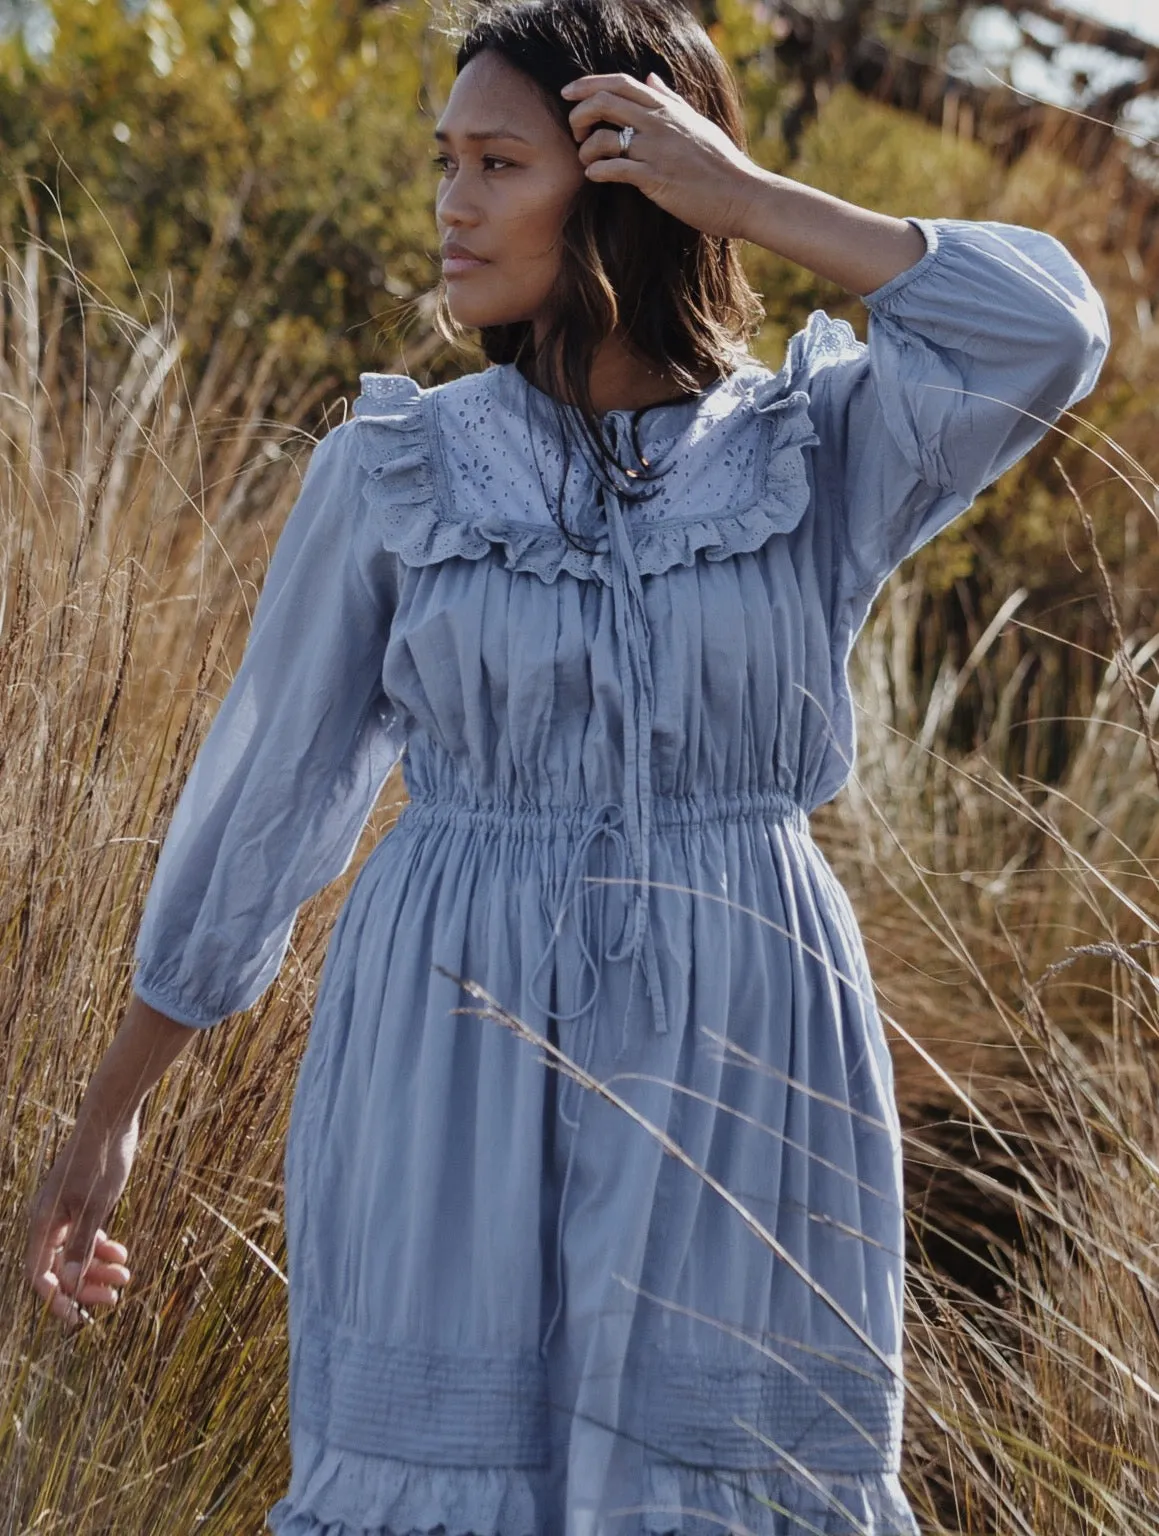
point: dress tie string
(633, 644)
(630, 622)
(604, 823)
(635, 941)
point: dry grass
(1011, 924)
(1010, 920)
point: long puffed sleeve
(292, 764)
(973, 353)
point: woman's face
(510, 172)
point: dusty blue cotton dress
(511, 1312)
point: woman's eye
(442, 162)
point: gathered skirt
(513, 1310)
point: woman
(599, 598)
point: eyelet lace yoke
(459, 470)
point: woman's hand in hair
(682, 160)
(694, 171)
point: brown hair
(677, 296)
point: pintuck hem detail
(838, 1415)
(759, 1450)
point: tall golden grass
(1009, 911)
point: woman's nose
(455, 205)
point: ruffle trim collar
(408, 495)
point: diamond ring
(626, 138)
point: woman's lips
(459, 266)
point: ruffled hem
(396, 452)
(343, 1493)
(682, 1501)
(336, 1492)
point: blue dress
(511, 1311)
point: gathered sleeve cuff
(291, 766)
(974, 352)
(979, 347)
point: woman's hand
(83, 1185)
(694, 171)
(681, 160)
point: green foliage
(877, 157)
(745, 35)
(884, 159)
(262, 162)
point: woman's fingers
(112, 1251)
(46, 1256)
(46, 1231)
(70, 1259)
(91, 1292)
(105, 1269)
(661, 85)
(107, 1252)
(618, 84)
(70, 1304)
(601, 145)
(96, 1274)
(608, 107)
(93, 1295)
(105, 1274)
(70, 1309)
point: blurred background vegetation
(212, 218)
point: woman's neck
(623, 381)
